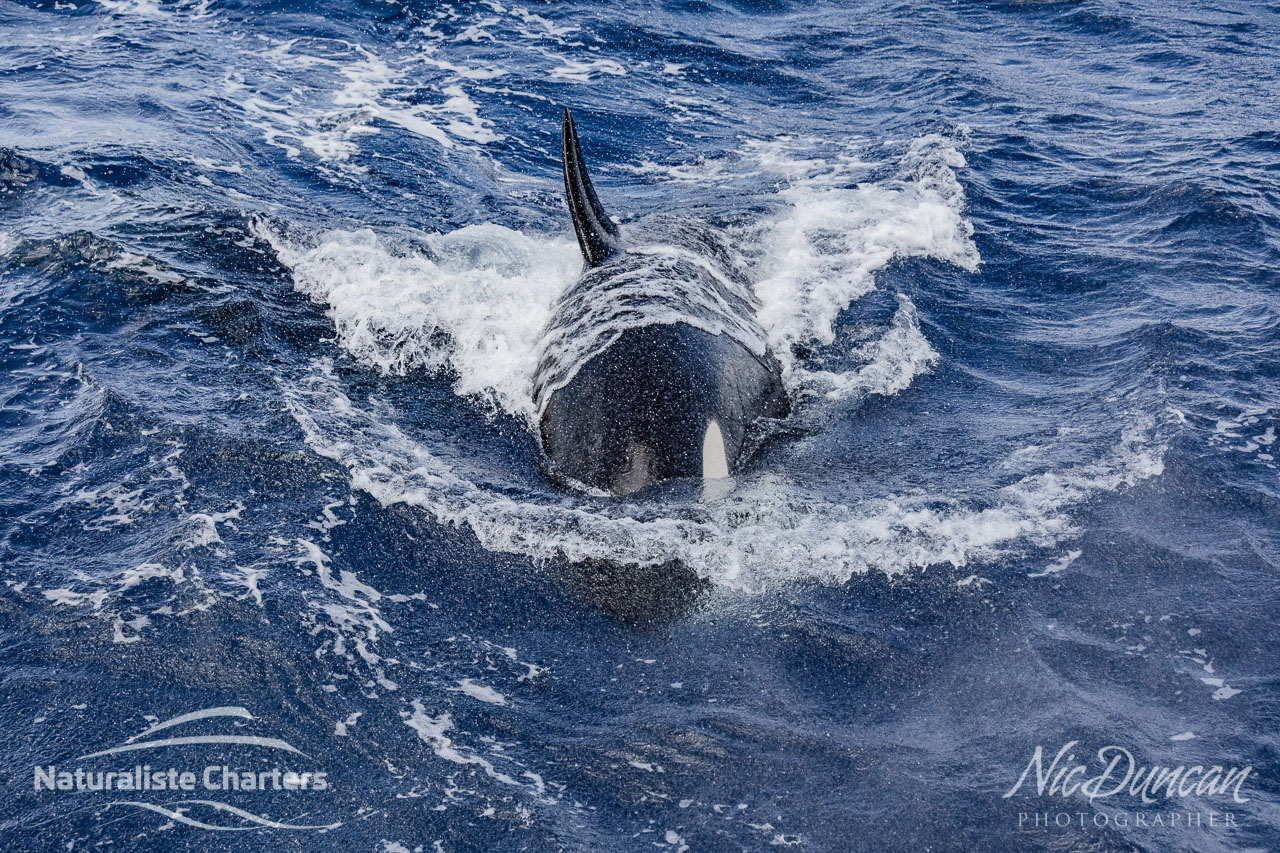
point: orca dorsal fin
(598, 236)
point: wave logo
(220, 779)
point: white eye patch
(714, 463)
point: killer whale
(653, 365)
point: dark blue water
(272, 280)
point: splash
(472, 305)
(823, 251)
(475, 302)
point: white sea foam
(537, 26)
(144, 8)
(355, 619)
(106, 595)
(586, 71)
(204, 531)
(349, 90)
(476, 307)
(433, 730)
(822, 251)
(1058, 565)
(320, 96)
(1252, 432)
(480, 692)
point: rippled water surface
(274, 280)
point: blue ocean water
(272, 282)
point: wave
(768, 529)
